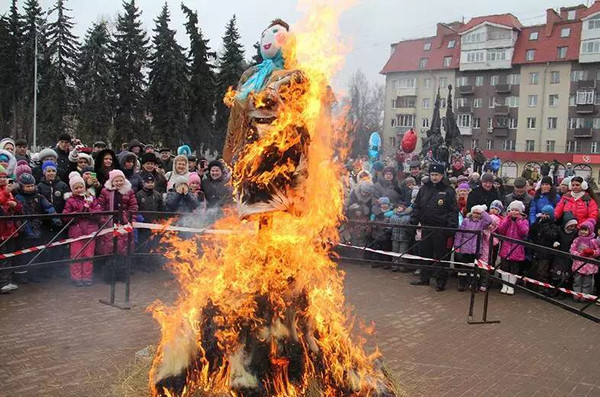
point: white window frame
(409, 82)
(460, 102)
(553, 100)
(585, 97)
(593, 23)
(494, 80)
(595, 147)
(490, 144)
(532, 101)
(474, 57)
(464, 120)
(552, 123)
(477, 103)
(513, 79)
(512, 101)
(530, 145)
(534, 78)
(561, 52)
(423, 63)
(590, 47)
(427, 46)
(443, 82)
(571, 15)
(551, 146)
(479, 81)
(427, 83)
(554, 77)
(513, 123)
(406, 120)
(426, 103)
(565, 32)
(447, 62)
(533, 36)
(462, 81)
(508, 145)
(531, 123)
(451, 43)
(425, 123)
(530, 55)
(476, 122)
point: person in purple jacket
(465, 244)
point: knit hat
(377, 166)
(183, 150)
(22, 167)
(64, 137)
(26, 179)
(569, 219)
(391, 170)
(179, 180)
(366, 187)
(464, 186)
(45, 153)
(548, 210)
(410, 180)
(461, 179)
(384, 201)
(148, 177)
(479, 208)
(588, 223)
(148, 158)
(111, 177)
(497, 204)
(48, 163)
(566, 181)
(518, 205)
(487, 177)
(547, 180)
(436, 167)
(87, 169)
(3, 171)
(75, 178)
(194, 177)
(519, 182)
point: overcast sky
(371, 25)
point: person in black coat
(62, 149)
(104, 162)
(560, 267)
(484, 194)
(544, 232)
(435, 205)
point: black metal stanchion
(115, 262)
(487, 289)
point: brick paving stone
(57, 340)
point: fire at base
(262, 312)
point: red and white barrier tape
(481, 264)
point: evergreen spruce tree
(130, 55)
(11, 42)
(94, 84)
(167, 82)
(202, 83)
(231, 67)
(257, 57)
(63, 52)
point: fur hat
(87, 157)
(148, 158)
(214, 163)
(461, 179)
(517, 205)
(436, 167)
(22, 167)
(566, 181)
(366, 187)
(392, 170)
(410, 180)
(75, 178)
(45, 153)
(194, 177)
(10, 160)
(497, 204)
(49, 163)
(26, 179)
(4, 141)
(179, 180)
(474, 176)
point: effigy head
(274, 38)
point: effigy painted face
(272, 40)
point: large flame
(277, 283)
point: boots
(512, 280)
(504, 289)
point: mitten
(556, 244)
(587, 252)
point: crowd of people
(73, 178)
(555, 212)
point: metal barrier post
(115, 262)
(487, 290)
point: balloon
(409, 141)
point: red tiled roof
(594, 8)
(408, 53)
(546, 46)
(508, 20)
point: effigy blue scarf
(257, 81)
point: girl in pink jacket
(585, 245)
(80, 201)
(516, 226)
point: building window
(553, 100)
(477, 102)
(595, 147)
(462, 81)
(579, 75)
(490, 144)
(406, 120)
(443, 82)
(565, 32)
(461, 102)
(406, 102)
(393, 122)
(512, 101)
(534, 78)
(590, 47)
(427, 83)
(423, 63)
(451, 43)
(425, 123)
(474, 56)
(561, 52)
(554, 77)
(530, 145)
(571, 15)
(490, 124)
(426, 103)
(476, 122)
(478, 81)
(494, 80)
(496, 55)
(552, 122)
(508, 144)
(447, 61)
(594, 24)
(531, 123)
(464, 120)
(530, 55)
(532, 101)
(501, 122)
(572, 100)
(550, 146)
(492, 102)
(573, 146)
(427, 46)
(474, 143)
(533, 36)
(586, 97)
(407, 83)
(512, 123)
(474, 38)
(514, 79)
(596, 123)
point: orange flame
(286, 266)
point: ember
(261, 311)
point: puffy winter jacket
(112, 200)
(7, 228)
(185, 203)
(34, 203)
(54, 191)
(435, 205)
(579, 244)
(81, 226)
(517, 229)
(582, 209)
(544, 232)
(538, 203)
(217, 192)
(133, 177)
(64, 166)
(467, 242)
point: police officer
(435, 205)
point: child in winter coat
(117, 195)
(33, 203)
(382, 211)
(587, 246)
(516, 226)
(544, 232)
(495, 212)
(8, 206)
(180, 199)
(466, 243)
(195, 183)
(81, 201)
(148, 200)
(560, 268)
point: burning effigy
(261, 309)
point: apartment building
(525, 93)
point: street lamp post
(35, 84)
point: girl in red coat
(117, 195)
(80, 200)
(580, 201)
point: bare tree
(365, 111)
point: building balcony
(585, 109)
(466, 90)
(412, 91)
(503, 88)
(502, 110)
(464, 109)
(585, 132)
(466, 131)
(406, 110)
(586, 84)
(500, 132)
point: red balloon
(409, 141)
